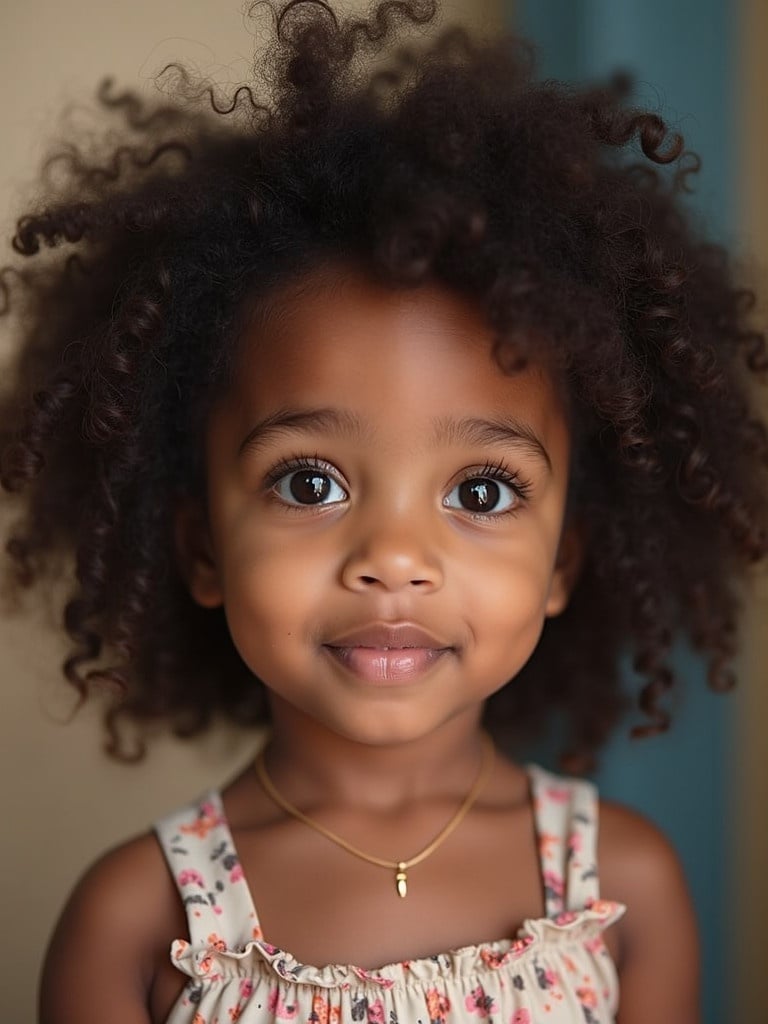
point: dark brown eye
(309, 487)
(479, 495)
(482, 494)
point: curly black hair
(446, 162)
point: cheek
(505, 600)
(269, 587)
(263, 613)
(512, 618)
(512, 580)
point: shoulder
(658, 942)
(636, 861)
(638, 864)
(119, 887)
(118, 921)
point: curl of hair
(450, 163)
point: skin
(396, 538)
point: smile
(384, 653)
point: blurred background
(700, 63)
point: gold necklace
(400, 867)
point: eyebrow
(329, 421)
(506, 431)
(472, 431)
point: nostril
(371, 580)
(361, 573)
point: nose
(393, 558)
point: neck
(311, 764)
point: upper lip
(395, 635)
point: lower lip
(388, 665)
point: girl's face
(385, 509)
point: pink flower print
(281, 1010)
(205, 963)
(520, 945)
(246, 988)
(322, 1012)
(438, 1006)
(547, 842)
(234, 1013)
(198, 1019)
(521, 1017)
(602, 907)
(217, 942)
(558, 795)
(567, 917)
(190, 877)
(236, 874)
(494, 958)
(553, 884)
(595, 944)
(575, 842)
(374, 977)
(206, 819)
(587, 997)
(376, 1012)
(480, 1003)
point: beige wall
(63, 801)
(747, 955)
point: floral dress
(555, 970)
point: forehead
(338, 339)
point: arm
(101, 961)
(658, 944)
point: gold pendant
(401, 880)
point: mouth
(384, 653)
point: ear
(570, 558)
(195, 554)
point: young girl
(389, 407)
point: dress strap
(198, 846)
(566, 814)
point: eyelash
(295, 464)
(491, 471)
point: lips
(382, 634)
(388, 653)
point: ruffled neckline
(215, 962)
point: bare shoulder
(102, 957)
(635, 856)
(658, 942)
